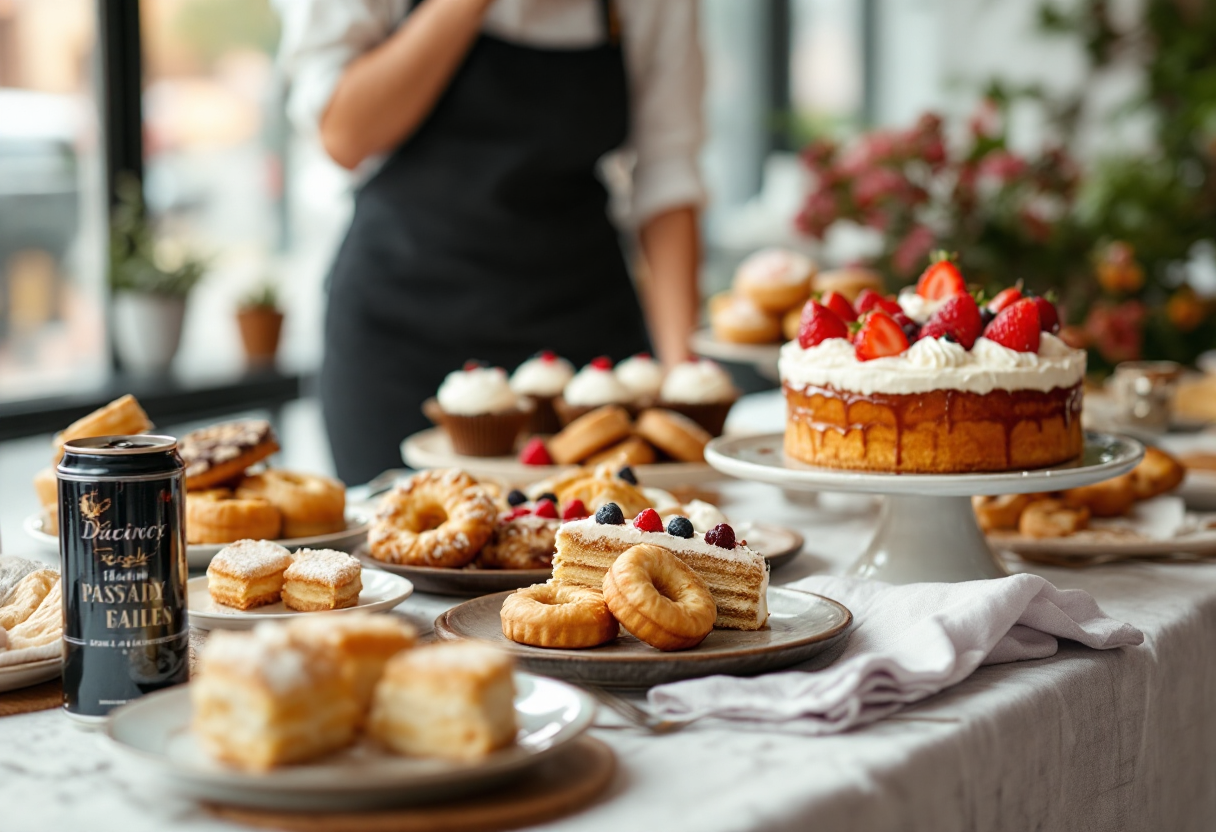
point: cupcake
(775, 279)
(542, 379)
(702, 391)
(643, 376)
(480, 412)
(593, 386)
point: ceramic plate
(763, 357)
(199, 555)
(31, 673)
(800, 625)
(432, 449)
(1105, 545)
(777, 544)
(156, 731)
(381, 592)
(1199, 489)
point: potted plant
(149, 285)
(261, 321)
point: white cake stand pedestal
(927, 530)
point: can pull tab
(124, 444)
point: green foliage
(264, 296)
(134, 264)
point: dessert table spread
(1084, 740)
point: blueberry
(911, 331)
(680, 527)
(516, 497)
(548, 495)
(627, 475)
(610, 514)
(949, 336)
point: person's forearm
(671, 245)
(385, 94)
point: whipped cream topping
(594, 387)
(775, 266)
(703, 516)
(698, 382)
(544, 375)
(918, 308)
(933, 364)
(475, 391)
(642, 375)
(628, 533)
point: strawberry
(517, 512)
(535, 453)
(837, 303)
(879, 336)
(602, 363)
(1049, 316)
(958, 318)
(1004, 298)
(546, 509)
(941, 280)
(1017, 326)
(575, 510)
(818, 324)
(648, 521)
(869, 300)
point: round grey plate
(776, 544)
(799, 626)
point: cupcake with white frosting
(482, 415)
(701, 390)
(542, 379)
(643, 376)
(592, 387)
(775, 279)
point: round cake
(933, 382)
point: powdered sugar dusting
(247, 559)
(266, 652)
(322, 566)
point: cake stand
(761, 357)
(927, 530)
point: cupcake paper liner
(483, 434)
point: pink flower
(912, 250)
(985, 122)
(818, 212)
(877, 184)
(1116, 330)
(1034, 225)
(1002, 166)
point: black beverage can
(122, 541)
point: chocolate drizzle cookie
(221, 453)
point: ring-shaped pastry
(436, 518)
(558, 615)
(310, 504)
(659, 598)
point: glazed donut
(558, 615)
(736, 320)
(1052, 518)
(311, 505)
(589, 433)
(595, 491)
(436, 518)
(525, 542)
(219, 516)
(1157, 474)
(658, 598)
(121, 417)
(1110, 498)
(1000, 513)
(221, 453)
(633, 451)
(673, 434)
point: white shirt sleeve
(319, 38)
(667, 82)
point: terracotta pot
(260, 328)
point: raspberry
(575, 510)
(601, 363)
(648, 521)
(546, 509)
(818, 324)
(610, 514)
(627, 475)
(516, 497)
(680, 527)
(722, 536)
(535, 453)
(518, 511)
(547, 356)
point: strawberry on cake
(931, 381)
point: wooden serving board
(40, 697)
(558, 787)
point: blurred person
(481, 228)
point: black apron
(485, 235)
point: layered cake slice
(737, 577)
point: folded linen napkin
(908, 643)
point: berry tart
(482, 415)
(592, 387)
(542, 378)
(932, 382)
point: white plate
(432, 449)
(199, 555)
(1199, 490)
(1091, 544)
(156, 731)
(763, 357)
(31, 673)
(381, 592)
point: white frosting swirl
(593, 387)
(475, 391)
(698, 382)
(933, 366)
(775, 266)
(542, 376)
(642, 375)
(917, 308)
(703, 516)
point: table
(1086, 740)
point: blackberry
(680, 527)
(986, 315)
(610, 514)
(516, 497)
(722, 536)
(548, 495)
(627, 475)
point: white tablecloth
(1086, 740)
